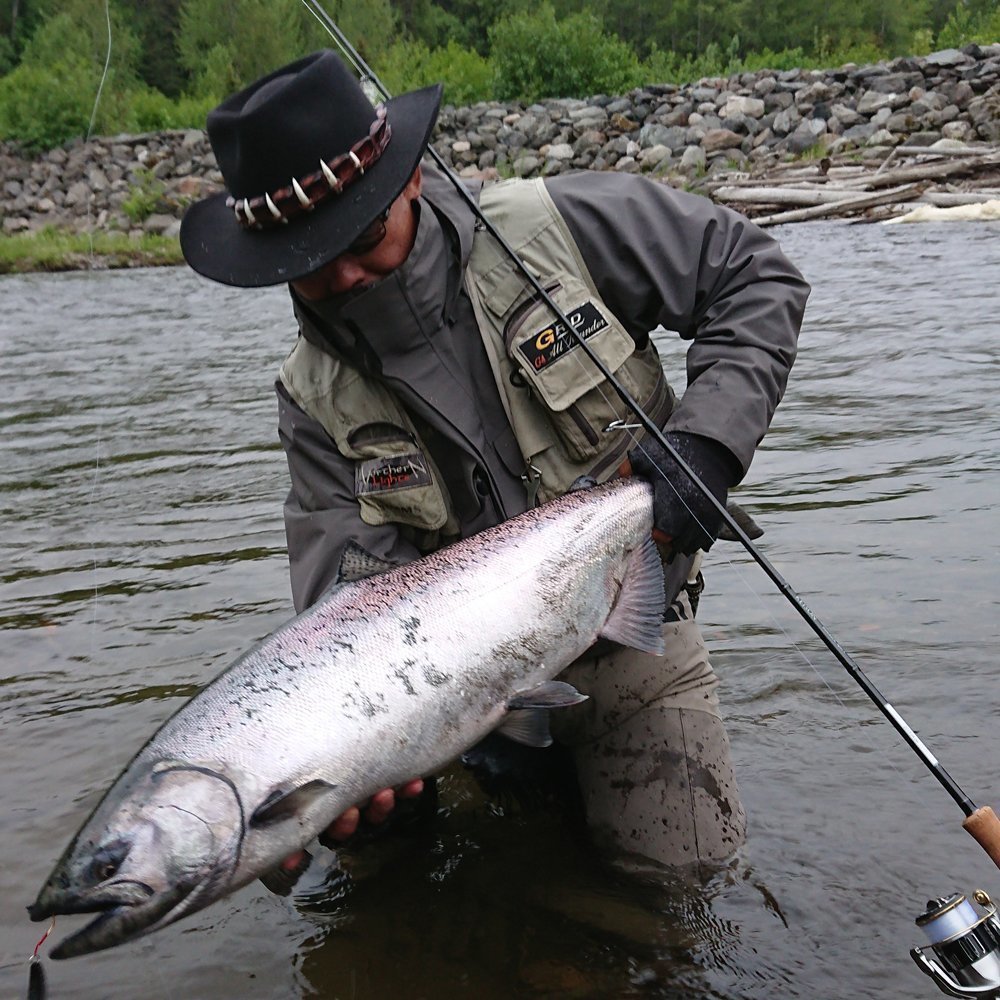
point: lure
(36, 973)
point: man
(431, 395)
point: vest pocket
(395, 481)
(578, 398)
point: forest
(71, 68)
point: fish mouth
(126, 910)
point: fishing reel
(964, 953)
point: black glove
(680, 509)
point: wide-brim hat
(308, 164)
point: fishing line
(94, 485)
(36, 973)
(366, 75)
(104, 75)
(725, 559)
(93, 118)
(981, 822)
(95, 480)
(41, 941)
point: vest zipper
(532, 479)
(659, 406)
(585, 429)
(519, 315)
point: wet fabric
(651, 751)
(655, 255)
(650, 747)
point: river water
(142, 548)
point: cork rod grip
(984, 825)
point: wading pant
(651, 751)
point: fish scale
(382, 680)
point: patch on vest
(555, 341)
(383, 475)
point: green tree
(157, 23)
(44, 107)
(428, 22)
(18, 21)
(535, 55)
(971, 21)
(467, 21)
(784, 24)
(833, 32)
(371, 27)
(61, 89)
(80, 30)
(466, 75)
(634, 23)
(690, 26)
(230, 43)
(893, 23)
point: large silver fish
(384, 679)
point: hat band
(304, 194)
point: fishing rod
(960, 797)
(965, 943)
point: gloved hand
(680, 510)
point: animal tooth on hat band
(273, 209)
(301, 195)
(331, 178)
(305, 193)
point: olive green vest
(567, 420)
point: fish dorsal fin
(283, 803)
(637, 615)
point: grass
(815, 152)
(53, 249)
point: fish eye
(101, 869)
(107, 860)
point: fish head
(161, 844)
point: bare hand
(377, 810)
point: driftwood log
(833, 194)
(841, 187)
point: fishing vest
(566, 418)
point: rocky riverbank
(700, 135)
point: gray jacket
(658, 257)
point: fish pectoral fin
(637, 615)
(283, 803)
(528, 726)
(357, 563)
(282, 880)
(551, 694)
(527, 719)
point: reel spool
(964, 953)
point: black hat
(309, 164)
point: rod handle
(984, 825)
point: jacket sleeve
(660, 257)
(321, 511)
